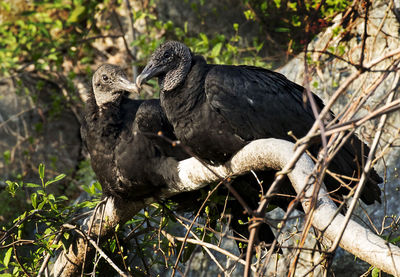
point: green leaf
(12, 187)
(292, 6)
(58, 178)
(5, 6)
(52, 198)
(250, 15)
(31, 185)
(204, 38)
(7, 156)
(260, 46)
(216, 50)
(62, 198)
(7, 257)
(97, 186)
(34, 200)
(375, 272)
(282, 30)
(41, 171)
(232, 48)
(76, 13)
(42, 203)
(395, 240)
(207, 210)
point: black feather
(217, 109)
(130, 160)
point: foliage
(44, 33)
(293, 23)
(45, 216)
(22, 252)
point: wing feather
(258, 103)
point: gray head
(109, 84)
(170, 63)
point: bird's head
(170, 63)
(109, 84)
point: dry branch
(259, 155)
(116, 212)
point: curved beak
(125, 85)
(142, 78)
(148, 72)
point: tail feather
(350, 161)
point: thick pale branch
(258, 155)
(275, 154)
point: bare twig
(94, 244)
(367, 167)
(213, 247)
(191, 225)
(48, 256)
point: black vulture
(130, 161)
(218, 109)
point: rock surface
(36, 126)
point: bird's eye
(104, 77)
(167, 55)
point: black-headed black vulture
(217, 109)
(130, 161)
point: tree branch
(260, 155)
(116, 212)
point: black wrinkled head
(109, 82)
(170, 63)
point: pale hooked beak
(148, 72)
(125, 85)
(141, 79)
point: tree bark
(257, 155)
(116, 212)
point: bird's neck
(108, 120)
(175, 77)
(177, 103)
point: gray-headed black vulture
(130, 161)
(217, 109)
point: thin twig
(367, 167)
(206, 249)
(92, 219)
(191, 225)
(47, 258)
(365, 34)
(94, 244)
(213, 247)
(18, 261)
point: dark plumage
(130, 161)
(217, 109)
